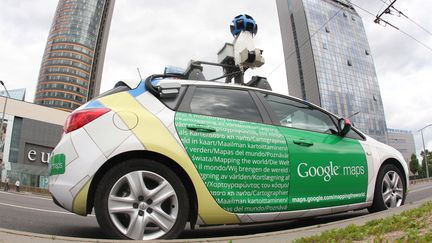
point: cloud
(159, 35)
(24, 26)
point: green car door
(326, 169)
(243, 162)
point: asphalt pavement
(38, 214)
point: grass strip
(414, 225)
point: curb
(277, 236)
(420, 181)
(29, 189)
(293, 234)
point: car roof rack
(195, 72)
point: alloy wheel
(143, 205)
(392, 189)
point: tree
(414, 164)
(429, 162)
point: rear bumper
(82, 158)
(56, 202)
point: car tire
(141, 199)
(390, 189)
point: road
(38, 214)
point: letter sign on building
(31, 155)
(36, 154)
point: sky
(152, 34)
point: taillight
(82, 117)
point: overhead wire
(331, 18)
(414, 22)
(395, 27)
(384, 4)
(404, 15)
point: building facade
(18, 94)
(329, 63)
(403, 141)
(72, 64)
(30, 133)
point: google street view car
(176, 150)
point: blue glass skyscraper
(329, 63)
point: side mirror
(344, 126)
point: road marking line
(38, 209)
(43, 198)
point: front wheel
(141, 200)
(390, 189)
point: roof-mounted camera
(234, 58)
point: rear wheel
(143, 200)
(389, 189)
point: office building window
(15, 140)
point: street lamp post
(424, 149)
(4, 111)
(1, 127)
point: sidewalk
(279, 236)
(29, 189)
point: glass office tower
(329, 63)
(72, 64)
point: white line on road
(38, 209)
(24, 195)
(68, 213)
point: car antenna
(353, 114)
(139, 73)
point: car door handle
(200, 128)
(303, 142)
